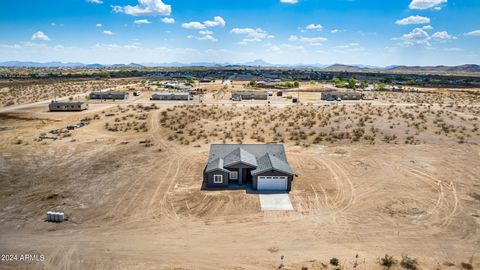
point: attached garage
(272, 183)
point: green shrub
(387, 261)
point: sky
(366, 32)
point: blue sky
(370, 32)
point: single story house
(63, 106)
(335, 95)
(109, 95)
(265, 166)
(170, 96)
(245, 95)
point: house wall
(209, 178)
(53, 107)
(272, 173)
(250, 96)
(243, 170)
(108, 96)
(170, 97)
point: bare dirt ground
(134, 198)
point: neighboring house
(334, 95)
(62, 106)
(109, 95)
(245, 95)
(171, 96)
(265, 166)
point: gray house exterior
(264, 166)
(109, 95)
(334, 95)
(247, 95)
(171, 96)
(63, 106)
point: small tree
(296, 83)
(252, 83)
(352, 82)
(387, 262)
(334, 261)
(409, 263)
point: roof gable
(240, 155)
(270, 162)
(262, 157)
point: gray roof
(109, 93)
(171, 93)
(262, 157)
(216, 164)
(239, 155)
(63, 103)
(270, 162)
(256, 93)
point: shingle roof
(216, 164)
(262, 157)
(171, 93)
(63, 103)
(239, 155)
(270, 162)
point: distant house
(248, 95)
(264, 166)
(334, 95)
(63, 106)
(109, 95)
(170, 96)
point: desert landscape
(386, 182)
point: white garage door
(272, 183)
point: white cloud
(413, 20)
(217, 21)
(40, 36)
(427, 27)
(207, 35)
(416, 37)
(146, 8)
(289, 1)
(312, 26)
(443, 35)
(284, 48)
(168, 20)
(347, 46)
(193, 25)
(473, 33)
(252, 35)
(314, 41)
(144, 21)
(108, 32)
(95, 1)
(98, 25)
(453, 49)
(204, 35)
(334, 31)
(426, 4)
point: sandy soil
(134, 200)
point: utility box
(55, 216)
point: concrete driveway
(275, 202)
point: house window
(234, 175)
(218, 179)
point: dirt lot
(134, 197)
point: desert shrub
(387, 261)
(409, 263)
(466, 266)
(334, 261)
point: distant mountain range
(469, 68)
